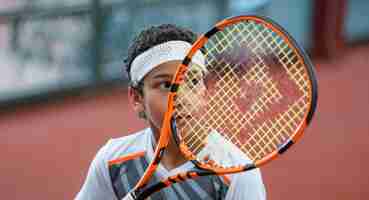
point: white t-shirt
(99, 185)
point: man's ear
(136, 100)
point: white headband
(153, 57)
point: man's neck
(172, 157)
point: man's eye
(195, 81)
(165, 85)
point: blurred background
(63, 89)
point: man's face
(156, 86)
(191, 96)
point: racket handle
(129, 196)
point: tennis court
(48, 142)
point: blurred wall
(45, 149)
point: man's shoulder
(135, 143)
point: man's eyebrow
(159, 76)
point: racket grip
(129, 196)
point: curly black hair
(153, 36)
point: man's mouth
(182, 118)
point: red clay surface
(46, 149)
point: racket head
(253, 95)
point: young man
(151, 63)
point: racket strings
(271, 133)
(259, 75)
(222, 101)
(224, 115)
(238, 120)
(295, 70)
(210, 118)
(276, 45)
(286, 55)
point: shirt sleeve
(97, 185)
(246, 185)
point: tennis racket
(246, 104)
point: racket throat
(142, 195)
